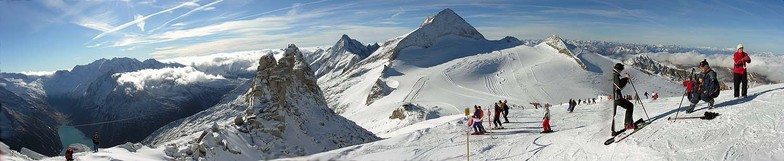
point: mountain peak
(445, 23)
(345, 37)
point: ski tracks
(415, 92)
(494, 86)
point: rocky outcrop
(285, 116)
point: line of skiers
(499, 108)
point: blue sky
(51, 35)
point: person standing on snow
(618, 84)
(69, 154)
(506, 110)
(740, 75)
(497, 117)
(689, 84)
(477, 117)
(96, 141)
(646, 94)
(707, 89)
(546, 121)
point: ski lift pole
(468, 151)
(641, 104)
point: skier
(546, 120)
(646, 94)
(740, 77)
(69, 154)
(707, 88)
(477, 117)
(689, 84)
(572, 105)
(96, 141)
(497, 117)
(618, 84)
(655, 96)
(506, 111)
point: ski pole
(638, 95)
(684, 95)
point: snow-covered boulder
(78, 148)
(31, 154)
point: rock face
(285, 116)
(26, 120)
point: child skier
(546, 120)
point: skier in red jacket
(689, 84)
(740, 78)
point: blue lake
(70, 135)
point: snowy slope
(748, 129)
(458, 69)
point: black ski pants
(629, 109)
(506, 113)
(741, 82)
(497, 121)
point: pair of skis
(621, 134)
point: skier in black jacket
(707, 87)
(618, 84)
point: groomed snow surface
(748, 129)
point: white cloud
(142, 19)
(39, 73)
(200, 8)
(164, 77)
(141, 22)
(294, 9)
(309, 37)
(768, 65)
(227, 28)
(225, 64)
(398, 13)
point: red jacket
(689, 85)
(740, 58)
(498, 110)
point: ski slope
(446, 78)
(748, 129)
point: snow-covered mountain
(444, 66)
(281, 114)
(338, 58)
(26, 120)
(556, 42)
